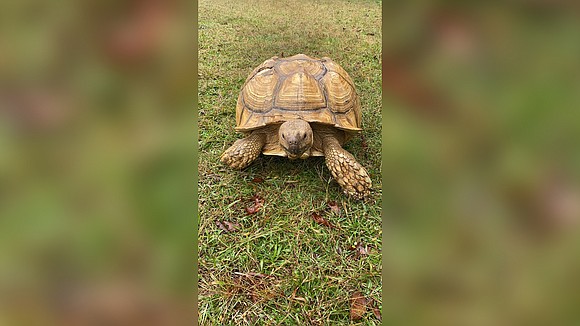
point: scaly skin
(244, 151)
(349, 174)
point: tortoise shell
(298, 87)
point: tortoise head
(295, 138)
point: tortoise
(298, 107)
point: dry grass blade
(256, 286)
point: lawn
(276, 265)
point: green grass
(280, 267)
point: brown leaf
(257, 180)
(231, 226)
(227, 226)
(373, 304)
(252, 209)
(377, 313)
(321, 220)
(360, 249)
(221, 226)
(358, 306)
(334, 207)
(257, 202)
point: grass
(279, 267)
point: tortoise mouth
(293, 152)
(293, 157)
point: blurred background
(481, 162)
(97, 163)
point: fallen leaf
(360, 249)
(377, 313)
(252, 209)
(373, 304)
(257, 180)
(231, 226)
(221, 226)
(257, 202)
(227, 226)
(334, 207)
(321, 220)
(358, 306)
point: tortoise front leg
(349, 174)
(244, 151)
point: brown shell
(298, 87)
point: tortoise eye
(283, 136)
(303, 136)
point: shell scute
(300, 92)
(259, 91)
(341, 94)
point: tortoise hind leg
(350, 175)
(244, 151)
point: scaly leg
(349, 174)
(244, 151)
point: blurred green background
(97, 166)
(481, 162)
